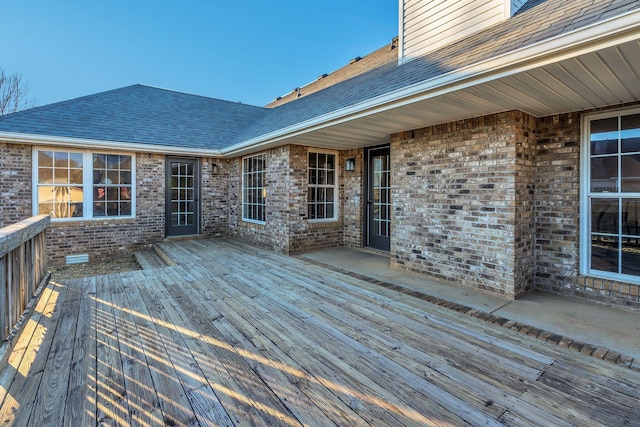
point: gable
(427, 25)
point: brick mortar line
(522, 328)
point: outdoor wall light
(214, 169)
(350, 164)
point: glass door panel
(182, 205)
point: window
(611, 196)
(80, 184)
(254, 191)
(322, 187)
(111, 185)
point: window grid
(60, 178)
(381, 201)
(322, 186)
(60, 184)
(254, 190)
(111, 185)
(613, 196)
(182, 194)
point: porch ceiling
(609, 76)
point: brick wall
(287, 229)
(15, 183)
(102, 238)
(308, 235)
(494, 202)
(112, 237)
(274, 234)
(524, 137)
(215, 197)
(456, 202)
(557, 213)
(557, 203)
(352, 198)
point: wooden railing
(23, 258)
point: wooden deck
(238, 336)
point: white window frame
(245, 203)
(585, 196)
(87, 183)
(336, 196)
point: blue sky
(248, 51)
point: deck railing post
(22, 268)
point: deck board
(234, 335)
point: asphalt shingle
(538, 20)
(141, 114)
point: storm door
(182, 198)
(378, 207)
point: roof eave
(56, 141)
(613, 31)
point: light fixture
(214, 169)
(350, 164)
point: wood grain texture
(234, 335)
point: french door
(182, 198)
(378, 207)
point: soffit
(606, 77)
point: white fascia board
(611, 32)
(57, 141)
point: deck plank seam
(588, 349)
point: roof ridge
(61, 103)
(58, 104)
(196, 95)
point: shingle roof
(536, 21)
(139, 114)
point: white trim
(611, 32)
(585, 212)
(585, 207)
(400, 31)
(336, 186)
(264, 187)
(87, 184)
(96, 144)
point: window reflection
(615, 220)
(630, 173)
(630, 133)
(604, 216)
(605, 253)
(604, 136)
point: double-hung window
(322, 186)
(254, 190)
(83, 184)
(610, 227)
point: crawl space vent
(77, 259)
